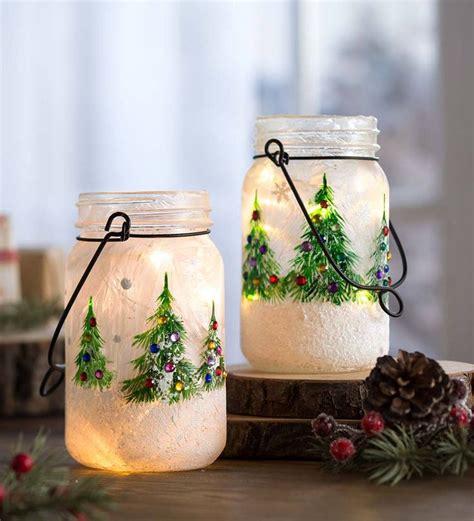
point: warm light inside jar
(296, 315)
(171, 416)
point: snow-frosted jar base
(311, 338)
(158, 438)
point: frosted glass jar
(297, 316)
(105, 428)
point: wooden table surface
(265, 490)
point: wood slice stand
(269, 415)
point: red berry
(301, 280)
(323, 425)
(3, 493)
(372, 423)
(218, 371)
(92, 322)
(273, 279)
(342, 449)
(386, 231)
(149, 383)
(459, 416)
(215, 325)
(83, 377)
(22, 463)
(323, 204)
(255, 215)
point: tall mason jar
(297, 314)
(145, 387)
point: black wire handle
(122, 235)
(281, 158)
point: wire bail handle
(120, 236)
(280, 158)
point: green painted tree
(164, 373)
(261, 271)
(212, 371)
(378, 275)
(311, 278)
(91, 364)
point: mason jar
(145, 374)
(297, 314)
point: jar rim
(130, 195)
(167, 209)
(314, 135)
(324, 122)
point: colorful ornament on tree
(163, 374)
(311, 278)
(378, 273)
(260, 269)
(212, 370)
(91, 363)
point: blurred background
(111, 96)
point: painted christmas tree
(212, 371)
(378, 275)
(91, 364)
(163, 372)
(311, 277)
(261, 271)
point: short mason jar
(297, 314)
(148, 286)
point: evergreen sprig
(401, 453)
(260, 270)
(46, 492)
(91, 364)
(311, 277)
(28, 314)
(212, 372)
(163, 348)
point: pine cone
(412, 390)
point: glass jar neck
(149, 212)
(320, 135)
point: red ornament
(22, 463)
(389, 281)
(218, 371)
(301, 280)
(386, 231)
(323, 204)
(372, 423)
(83, 377)
(215, 325)
(3, 493)
(255, 215)
(459, 416)
(342, 449)
(92, 322)
(273, 279)
(149, 383)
